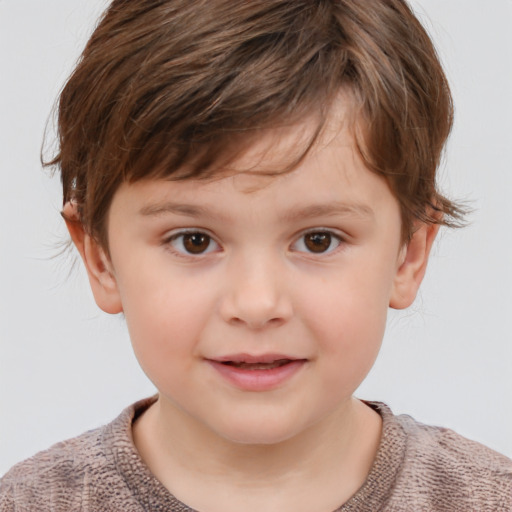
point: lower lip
(258, 380)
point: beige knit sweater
(417, 468)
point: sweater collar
(152, 495)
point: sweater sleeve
(76, 475)
(35, 485)
(6, 499)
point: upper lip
(255, 358)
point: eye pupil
(318, 242)
(196, 243)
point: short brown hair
(168, 85)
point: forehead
(332, 173)
(277, 151)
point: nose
(256, 294)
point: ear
(412, 266)
(97, 263)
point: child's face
(294, 272)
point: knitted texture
(417, 468)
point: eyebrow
(330, 210)
(311, 211)
(188, 210)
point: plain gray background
(66, 367)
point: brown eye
(196, 243)
(318, 242)
(192, 243)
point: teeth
(258, 366)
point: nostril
(256, 324)
(257, 303)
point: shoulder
(447, 468)
(76, 474)
(60, 469)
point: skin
(258, 288)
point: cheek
(347, 317)
(351, 301)
(165, 319)
(351, 344)
(352, 329)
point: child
(253, 185)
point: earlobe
(413, 261)
(99, 268)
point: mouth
(257, 373)
(257, 362)
(259, 365)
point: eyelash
(332, 238)
(174, 239)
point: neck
(333, 457)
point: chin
(267, 433)
(257, 438)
